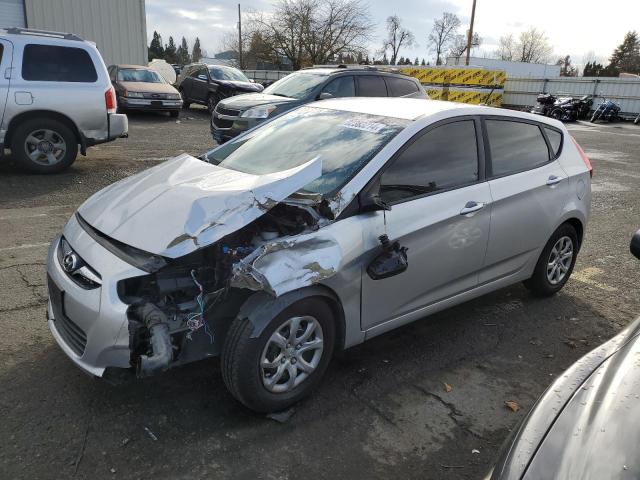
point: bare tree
(506, 48)
(533, 46)
(566, 69)
(459, 44)
(397, 37)
(442, 34)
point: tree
(422, 63)
(593, 69)
(459, 44)
(156, 50)
(416, 61)
(442, 34)
(397, 37)
(566, 69)
(196, 53)
(626, 57)
(531, 46)
(170, 52)
(182, 53)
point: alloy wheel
(291, 354)
(559, 260)
(45, 147)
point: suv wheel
(556, 262)
(44, 145)
(286, 362)
(185, 104)
(212, 101)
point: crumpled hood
(242, 86)
(250, 100)
(184, 203)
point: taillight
(585, 159)
(110, 100)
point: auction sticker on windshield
(367, 126)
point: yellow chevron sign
(457, 76)
(471, 96)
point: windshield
(138, 75)
(344, 142)
(227, 73)
(296, 85)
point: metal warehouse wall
(118, 27)
(624, 91)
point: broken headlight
(259, 112)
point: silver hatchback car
(326, 226)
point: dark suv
(208, 84)
(232, 116)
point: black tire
(539, 283)
(595, 116)
(241, 356)
(174, 113)
(185, 103)
(212, 101)
(557, 114)
(60, 130)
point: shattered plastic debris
(151, 434)
(447, 387)
(475, 451)
(282, 417)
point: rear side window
(50, 63)
(555, 139)
(341, 87)
(371, 86)
(198, 71)
(445, 157)
(515, 146)
(400, 87)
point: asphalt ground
(383, 410)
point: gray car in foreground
(328, 225)
(586, 423)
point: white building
(118, 27)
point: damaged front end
(238, 234)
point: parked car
(208, 84)
(141, 88)
(55, 96)
(328, 225)
(236, 115)
(585, 425)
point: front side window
(371, 86)
(444, 157)
(341, 87)
(296, 85)
(138, 75)
(344, 142)
(515, 146)
(197, 72)
(50, 63)
(227, 73)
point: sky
(579, 28)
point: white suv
(55, 96)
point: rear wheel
(556, 262)
(286, 362)
(557, 114)
(44, 145)
(185, 103)
(212, 101)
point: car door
(371, 86)
(402, 87)
(529, 190)
(199, 80)
(440, 211)
(6, 57)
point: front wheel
(555, 263)
(557, 114)
(212, 101)
(595, 116)
(44, 145)
(285, 363)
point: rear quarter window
(400, 87)
(371, 86)
(515, 146)
(555, 139)
(51, 63)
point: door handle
(471, 207)
(553, 180)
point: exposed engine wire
(196, 320)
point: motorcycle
(565, 109)
(637, 120)
(607, 110)
(544, 105)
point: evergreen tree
(385, 60)
(423, 62)
(156, 49)
(416, 61)
(183, 53)
(170, 52)
(401, 61)
(196, 53)
(626, 58)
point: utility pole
(470, 38)
(240, 36)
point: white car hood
(185, 204)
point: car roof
(415, 108)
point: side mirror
(635, 245)
(373, 203)
(391, 261)
(325, 96)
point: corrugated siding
(118, 27)
(11, 13)
(624, 91)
